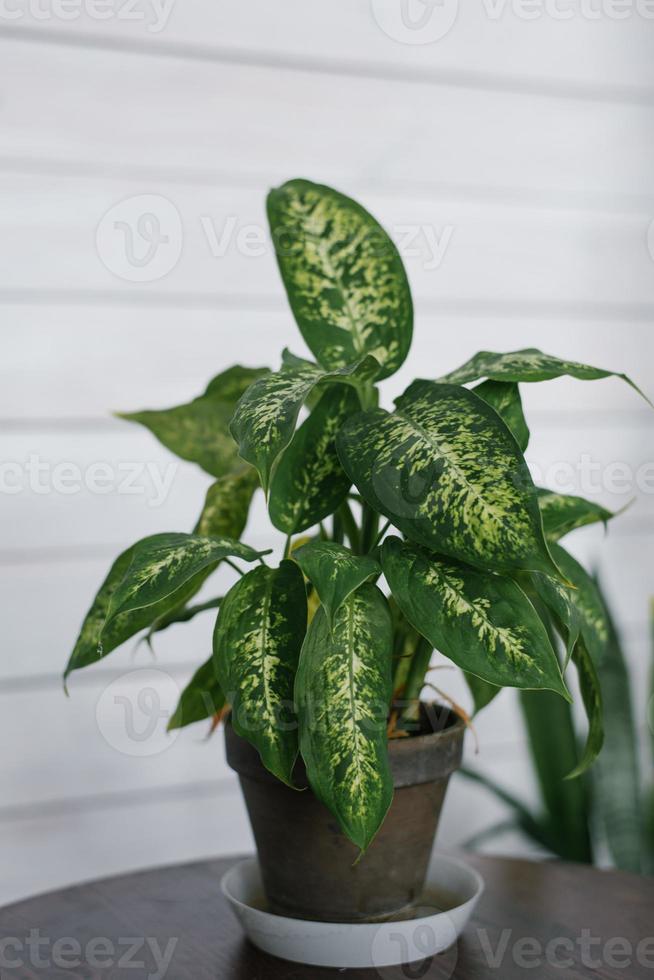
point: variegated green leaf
(343, 275)
(227, 504)
(256, 645)
(563, 513)
(163, 564)
(265, 417)
(556, 598)
(447, 472)
(98, 637)
(528, 365)
(309, 482)
(202, 697)
(591, 695)
(504, 397)
(343, 693)
(586, 599)
(482, 621)
(334, 572)
(199, 431)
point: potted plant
(321, 664)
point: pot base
(452, 890)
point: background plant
(312, 655)
(610, 812)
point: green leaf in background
(447, 472)
(202, 698)
(483, 622)
(227, 504)
(199, 431)
(163, 565)
(256, 645)
(334, 572)
(504, 397)
(591, 695)
(527, 365)
(266, 415)
(309, 482)
(343, 693)
(482, 692)
(554, 750)
(343, 276)
(586, 599)
(563, 513)
(616, 774)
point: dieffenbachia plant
(422, 529)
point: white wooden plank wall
(512, 158)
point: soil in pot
(310, 869)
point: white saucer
(452, 890)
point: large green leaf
(163, 565)
(529, 364)
(504, 397)
(202, 698)
(616, 774)
(591, 695)
(266, 415)
(343, 693)
(447, 472)
(482, 692)
(309, 482)
(563, 513)
(227, 504)
(557, 599)
(199, 431)
(343, 275)
(334, 572)
(256, 645)
(483, 622)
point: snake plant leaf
(482, 621)
(616, 774)
(309, 482)
(256, 645)
(98, 637)
(227, 504)
(343, 275)
(163, 565)
(504, 397)
(343, 691)
(447, 472)
(527, 365)
(587, 600)
(482, 692)
(591, 695)
(265, 417)
(334, 572)
(202, 698)
(563, 513)
(199, 430)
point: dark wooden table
(175, 923)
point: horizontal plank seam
(522, 85)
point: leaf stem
(350, 526)
(231, 564)
(415, 681)
(381, 534)
(287, 546)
